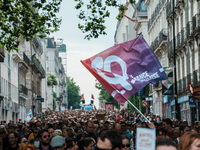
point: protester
(89, 131)
(86, 144)
(126, 143)
(23, 141)
(58, 143)
(29, 147)
(189, 141)
(166, 144)
(13, 141)
(44, 138)
(109, 139)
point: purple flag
(126, 68)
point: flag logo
(126, 68)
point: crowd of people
(95, 130)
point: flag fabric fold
(92, 97)
(126, 68)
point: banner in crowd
(146, 139)
(167, 85)
(126, 68)
(29, 116)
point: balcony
(185, 84)
(189, 79)
(16, 57)
(189, 30)
(37, 44)
(196, 78)
(37, 66)
(196, 24)
(183, 35)
(23, 89)
(26, 59)
(162, 36)
(2, 54)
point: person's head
(193, 130)
(89, 126)
(86, 144)
(28, 147)
(184, 128)
(176, 132)
(167, 124)
(13, 139)
(22, 141)
(109, 139)
(51, 131)
(35, 131)
(118, 128)
(44, 137)
(123, 126)
(38, 124)
(125, 143)
(11, 128)
(58, 143)
(71, 144)
(189, 141)
(165, 144)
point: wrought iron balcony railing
(183, 35)
(162, 35)
(189, 29)
(23, 89)
(196, 23)
(26, 59)
(38, 66)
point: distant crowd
(96, 130)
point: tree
(23, 19)
(94, 13)
(74, 97)
(104, 95)
(51, 81)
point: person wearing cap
(58, 143)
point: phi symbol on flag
(98, 64)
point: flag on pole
(82, 97)
(29, 116)
(92, 96)
(126, 68)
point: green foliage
(105, 96)
(51, 80)
(25, 19)
(74, 97)
(94, 13)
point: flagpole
(138, 111)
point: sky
(79, 48)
